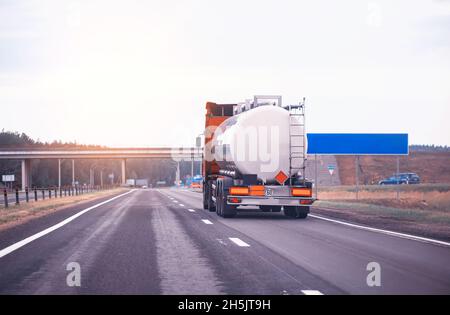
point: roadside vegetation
(17, 214)
(420, 209)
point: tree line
(429, 148)
(45, 171)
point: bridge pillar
(177, 175)
(26, 173)
(59, 173)
(73, 172)
(91, 177)
(124, 171)
(192, 166)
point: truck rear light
(301, 192)
(239, 191)
(257, 190)
(234, 200)
(306, 201)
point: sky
(138, 73)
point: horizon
(57, 142)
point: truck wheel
(265, 208)
(276, 209)
(205, 197)
(298, 212)
(302, 212)
(226, 210)
(218, 201)
(210, 204)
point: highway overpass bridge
(26, 155)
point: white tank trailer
(257, 142)
(258, 157)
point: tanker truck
(254, 155)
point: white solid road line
(207, 222)
(387, 232)
(191, 210)
(31, 238)
(239, 242)
(311, 292)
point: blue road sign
(358, 143)
(331, 167)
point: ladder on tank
(297, 139)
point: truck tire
(205, 196)
(297, 212)
(265, 208)
(270, 208)
(223, 209)
(276, 209)
(209, 202)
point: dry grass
(421, 209)
(425, 197)
(17, 214)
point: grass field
(424, 196)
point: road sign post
(358, 144)
(357, 175)
(5, 196)
(17, 196)
(331, 169)
(398, 171)
(316, 184)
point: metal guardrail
(51, 192)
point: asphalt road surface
(162, 242)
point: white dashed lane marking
(181, 205)
(239, 242)
(191, 210)
(207, 222)
(311, 292)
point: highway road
(160, 241)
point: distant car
(144, 187)
(196, 185)
(412, 178)
(401, 178)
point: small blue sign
(331, 167)
(358, 143)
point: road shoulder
(360, 214)
(19, 229)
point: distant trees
(428, 148)
(45, 172)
